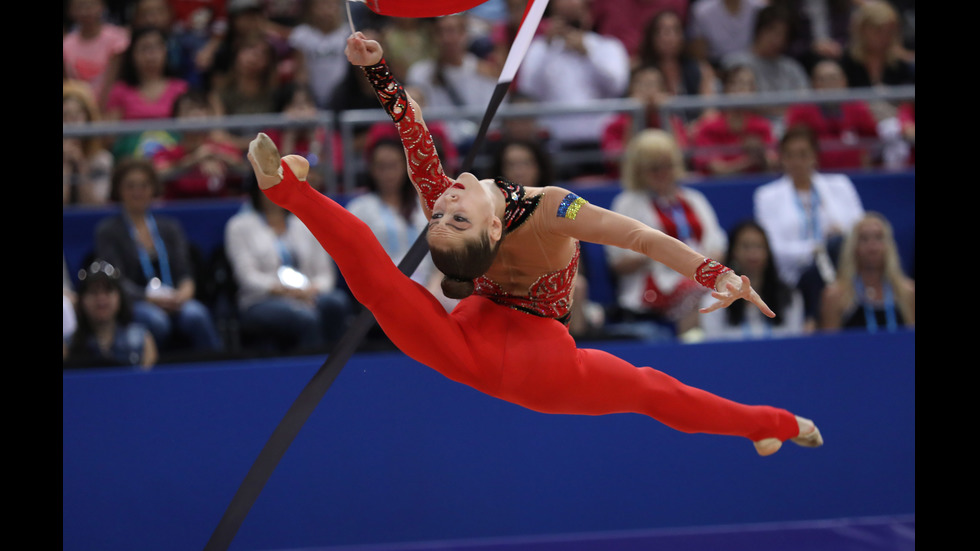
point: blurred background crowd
(750, 75)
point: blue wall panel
(893, 194)
(395, 452)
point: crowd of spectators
(193, 59)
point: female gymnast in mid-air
(511, 254)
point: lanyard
(395, 237)
(809, 217)
(678, 215)
(285, 256)
(870, 319)
(161, 249)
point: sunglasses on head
(97, 268)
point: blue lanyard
(870, 319)
(161, 250)
(284, 255)
(811, 221)
(391, 226)
(678, 215)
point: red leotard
(525, 359)
(491, 344)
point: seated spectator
(523, 161)
(202, 164)
(408, 40)
(86, 162)
(145, 88)
(871, 292)
(749, 254)
(805, 214)
(842, 127)
(653, 169)
(240, 22)
(184, 37)
(153, 255)
(289, 298)
(818, 29)
(647, 87)
(570, 65)
(318, 44)
(525, 127)
(876, 56)
(107, 335)
(774, 70)
(312, 141)
(629, 21)
(249, 87)
(90, 46)
(734, 140)
(718, 28)
(391, 206)
(455, 76)
(664, 47)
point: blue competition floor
(866, 534)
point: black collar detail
(518, 208)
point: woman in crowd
(153, 255)
(871, 291)
(653, 194)
(289, 298)
(805, 214)
(749, 253)
(106, 335)
(145, 88)
(86, 162)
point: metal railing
(348, 123)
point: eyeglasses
(99, 267)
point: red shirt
(838, 132)
(715, 132)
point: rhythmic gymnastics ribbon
(301, 409)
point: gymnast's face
(466, 211)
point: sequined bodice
(550, 296)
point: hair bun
(457, 288)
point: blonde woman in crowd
(871, 291)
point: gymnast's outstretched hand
(733, 288)
(362, 51)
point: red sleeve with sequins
(424, 166)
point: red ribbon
(420, 8)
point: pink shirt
(87, 60)
(132, 105)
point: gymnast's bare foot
(809, 437)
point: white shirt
(323, 55)
(467, 86)
(637, 205)
(253, 251)
(755, 325)
(792, 225)
(725, 32)
(556, 75)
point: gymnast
(510, 254)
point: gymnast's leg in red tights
(518, 357)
